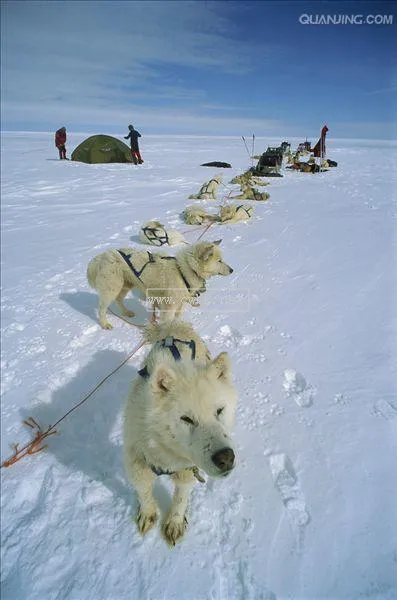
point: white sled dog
(248, 178)
(178, 418)
(155, 234)
(231, 213)
(208, 190)
(194, 215)
(169, 281)
(248, 192)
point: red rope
(205, 231)
(35, 445)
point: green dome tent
(102, 149)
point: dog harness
(127, 258)
(151, 233)
(204, 188)
(247, 210)
(152, 259)
(169, 342)
(185, 281)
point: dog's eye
(220, 411)
(187, 420)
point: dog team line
(180, 410)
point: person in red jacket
(60, 141)
(319, 148)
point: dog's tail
(92, 272)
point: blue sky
(205, 68)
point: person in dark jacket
(60, 141)
(133, 137)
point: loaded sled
(269, 163)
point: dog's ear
(221, 367)
(162, 380)
(206, 251)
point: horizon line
(193, 135)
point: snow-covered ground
(310, 512)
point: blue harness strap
(185, 281)
(169, 342)
(127, 258)
(137, 273)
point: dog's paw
(106, 325)
(145, 521)
(173, 529)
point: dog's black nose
(224, 459)
(231, 270)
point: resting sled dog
(155, 234)
(248, 178)
(250, 193)
(194, 215)
(208, 190)
(230, 213)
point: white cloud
(386, 90)
(82, 117)
(112, 57)
(99, 65)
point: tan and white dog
(209, 189)
(155, 234)
(179, 416)
(231, 213)
(250, 193)
(167, 281)
(247, 177)
(194, 215)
